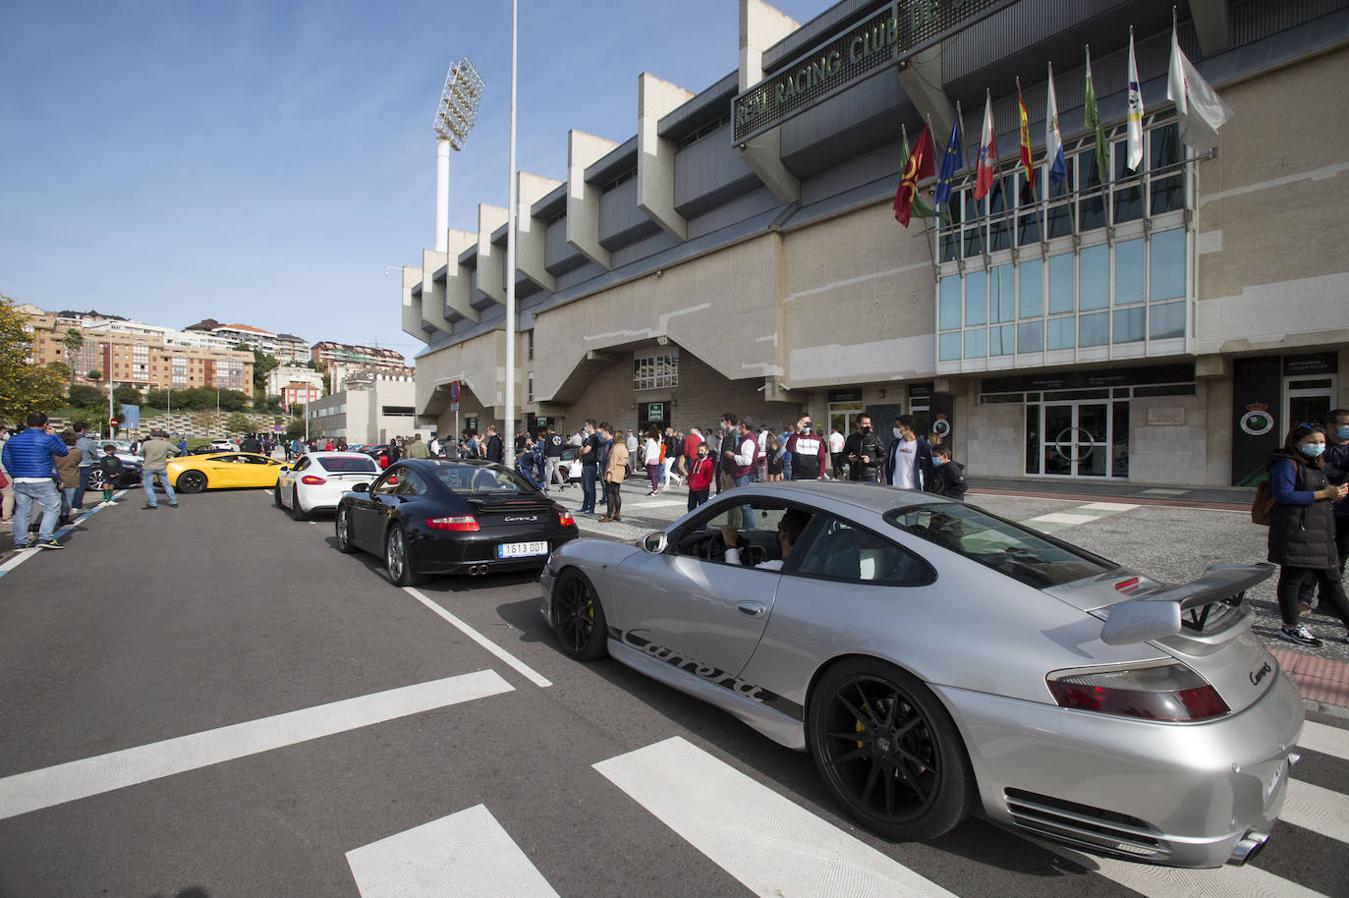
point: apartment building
(295, 384)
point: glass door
(1076, 439)
(1307, 399)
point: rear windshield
(474, 480)
(341, 465)
(1033, 559)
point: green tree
(263, 363)
(156, 399)
(238, 422)
(125, 394)
(233, 400)
(73, 342)
(94, 374)
(85, 396)
(24, 387)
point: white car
(317, 481)
(223, 445)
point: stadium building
(739, 251)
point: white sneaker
(1299, 635)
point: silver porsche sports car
(935, 658)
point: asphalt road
(212, 701)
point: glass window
(1030, 336)
(1002, 294)
(949, 305)
(1032, 439)
(1119, 441)
(1032, 275)
(1167, 272)
(386, 485)
(974, 237)
(756, 522)
(1060, 332)
(1168, 320)
(481, 480)
(1168, 178)
(1028, 222)
(1129, 324)
(976, 301)
(950, 347)
(950, 237)
(342, 464)
(1034, 559)
(1061, 277)
(1091, 205)
(976, 343)
(1093, 267)
(1093, 330)
(411, 485)
(1129, 272)
(1000, 340)
(1060, 216)
(840, 551)
(1129, 186)
(999, 203)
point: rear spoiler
(1159, 613)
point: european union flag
(952, 162)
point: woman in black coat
(1302, 529)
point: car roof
(872, 497)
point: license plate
(522, 550)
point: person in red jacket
(701, 471)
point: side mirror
(285, 468)
(655, 542)
(361, 488)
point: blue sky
(264, 161)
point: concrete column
(458, 280)
(433, 292)
(583, 199)
(656, 155)
(921, 79)
(491, 266)
(442, 191)
(531, 234)
(412, 305)
(762, 26)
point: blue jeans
(77, 502)
(588, 487)
(25, 496)
(148, 481)
(746, 511)
(68, 501)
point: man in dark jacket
(495, 450)
(809, 451)
(863, 450)
(29, 457)
(1335, 462)
(948, 476)
(250, 443)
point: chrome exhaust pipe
(1247, 847)
(477, 570)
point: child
(701, 472)
(948, 477)
(111, 466)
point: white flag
(1134, 116)
(1199, 108)
(1053, 137)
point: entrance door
(1307, 399)
(1076, 439)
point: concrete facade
(777, 273)
(373, 409)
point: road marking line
(49, 786)
(520, 667)
(1175, 882)
(464, 854)
(1317, 809)
(770, 844)
(1327, 740)
(661, 503)
(1063, 517)
(28, 553)
(1108, 506)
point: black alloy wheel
(578, 618)
(396, 559)
(889, 752)
(276, 496)
(296, 512)
(343, 529)
(191, 482)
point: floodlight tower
(454, 120)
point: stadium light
(454, 119)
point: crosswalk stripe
(1062, 517)
(1172, 882)
(1327, 740)
(465, 855)
(48, 786)
(1317, 809)
(1108, 506)
(771, 845)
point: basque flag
(951, 163)
(988, 152)
(1058, 170)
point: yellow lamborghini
(222, 470)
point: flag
(1134, 117)
(1058, 170)
(988, 152)
(1200, 110)
(917, 165)
(951, 162)
(1027, 154)
(1093, 124)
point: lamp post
(508, 450)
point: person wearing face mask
(808, 450)
(948, 475)
(1335, 462)
(701, 471)
(863, 450)
(908, 464)
(1302, 529)
(836, 442)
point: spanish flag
(916, 166)
(1027, 155)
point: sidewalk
(1233, 498)
(1324, 682)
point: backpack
(1262, 505)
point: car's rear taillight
(564, 518)
(463, 523)
(312, 480)
(1157, 692)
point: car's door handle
(753, 609)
